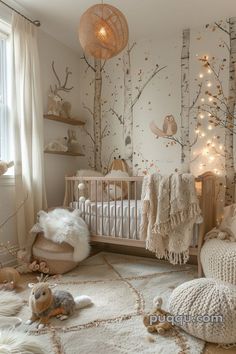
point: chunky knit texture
(218, 259)
(208, 297)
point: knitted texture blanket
(170, 207)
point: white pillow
(121, 192)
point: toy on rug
(9, 278)
(4, 166)
(41, 267)
(44, 303)
(152, 319)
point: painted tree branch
(87, 62)
(221, 28)
(117, 115)
(140, 90)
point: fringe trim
(173, 257)
(176, 219)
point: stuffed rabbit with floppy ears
(44, 303)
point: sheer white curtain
(27, 126)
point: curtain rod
(36, 22)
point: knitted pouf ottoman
(59, 257)
(218, 259)
(209, 307)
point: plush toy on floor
(45, 304)
(152, 319)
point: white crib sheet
(88, 213)
(112, 211)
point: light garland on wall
(212, 146)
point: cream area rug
(122, 288)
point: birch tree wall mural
(188, 100)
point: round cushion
(200, 300)
(218, 259)
(58, 256)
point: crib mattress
(110, 213)
(98, 218)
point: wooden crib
(112, 208)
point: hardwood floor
(214, 349)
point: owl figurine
(169, 127)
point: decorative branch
(61, 87)
(15, 212)
(88, 109)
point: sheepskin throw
(170, 208)
(61, 225)
(10, 303)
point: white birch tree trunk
(229, 136)
(128, 110)
(97, 121)
(185, 103)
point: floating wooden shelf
(66, 153)
(71, 121)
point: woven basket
(57, 256)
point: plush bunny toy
(45, 304)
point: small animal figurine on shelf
(9, 278)
(59, 145)
(73, 143)
(152, 319)
(56, 104)
(44, 303)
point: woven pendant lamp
(103, 31)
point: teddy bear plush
(152, 319)
(4, 166)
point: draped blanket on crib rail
(170, 208)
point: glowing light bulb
(202, 99)
(203, 134)
(208, 141)
(209, 114)
(221, 147)
(201, 116)
(209, 127)
(209, 71)
(210, 99)
(197, 131)
(211, 158)
(102, 33)
(201, 75)
(213, 145)
(209, 84)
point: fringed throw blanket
(170, 207)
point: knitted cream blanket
(170, 207)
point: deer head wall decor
(56, 104)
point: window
(4, 97)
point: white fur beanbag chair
(210, 309)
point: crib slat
(96, 206)
(122, 213)
(115, 209)
(129, 207)
(136, 210)
(102, 207)
(108, 196)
